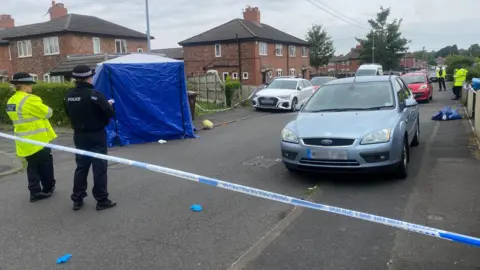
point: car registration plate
(267, 101)
(327, 154)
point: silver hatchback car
(362, 124)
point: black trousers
(40, 172)
(441, 84)
(93, 142)
(457, 90)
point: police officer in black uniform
(89, 113)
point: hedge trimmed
(52, 95)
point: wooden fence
(209, 88)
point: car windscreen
(412, 79)
(351, 97)
(432, 74)
(320, 80)
(283, 84)
(366, 72)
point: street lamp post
(373, 47)
(148, 25)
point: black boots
(40, 196)
(101, 205)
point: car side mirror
(299, 88)
(410, 103)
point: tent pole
(148, 26)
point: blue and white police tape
(266, 194)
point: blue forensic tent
(151, 100)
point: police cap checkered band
(82, 71)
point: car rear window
(411, 79)
(357, 95)
(366, 72)
(320, 80)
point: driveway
(153, 228)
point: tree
(387, 40)
(321, 46)
(446, 51)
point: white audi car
(283, 94)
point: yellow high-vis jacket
(30, 120)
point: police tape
(445, 235)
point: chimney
(6, 21)
(252, 14)
(57, 10)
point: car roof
(369, 66)
(378, 78)
(323, 77)
(414, 74)
(289, 78)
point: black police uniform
(89, 113)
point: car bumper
(421, 96)
(279, 104)
(360, 158)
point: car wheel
(294, 105)
(401, 172)
(416, 141)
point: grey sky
(430, 23)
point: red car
(421, 88)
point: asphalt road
(153, 228)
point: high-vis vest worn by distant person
(460, 77)
(30, 120)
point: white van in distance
(369, 70)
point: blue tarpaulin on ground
(151, 100)
(446, 113)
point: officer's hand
(111, 101)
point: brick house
(37, 48)
(342, 64)
(246, 49)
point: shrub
(52, 95)
(231, 86)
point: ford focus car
(283, 94)
(421, 88)
(362, 124)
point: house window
(46, 77)
(235, 76)
(53, 79)
(24, 48)
(262, 48)
(293, 51)
(51, 46)
(279, 73)
(140, 50)
(120, 46)
(304, 52)
(292, 72)
(218, 50)
(278, 49)
(270, 74)
(245, 75)
(96, 45)
(34, 76)
(225, 75)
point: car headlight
(289, 136)
(380, 136)
(284, 97)
(422, 87)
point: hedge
(52, 95)
(230, 87)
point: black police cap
(22, 78)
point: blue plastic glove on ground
(65, 258)
(196, 208)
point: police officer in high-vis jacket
(89, 113)
(30, 120)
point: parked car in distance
(421, 88)
(432, 76)
(369, 70)
(284, 93)
(362, 124)
(319, 81)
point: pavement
(153, 228)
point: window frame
(224, 76)
(24, 45)
(139, 50)
(99, 45)
(304, 51)
(292, 72)
(278, 49)
(123, 45)
(292, 53)
(219, 54)
(244, 75)
(279, 72)
(262, 50)
(234, 75)
(51, 46)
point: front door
(264, 77)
